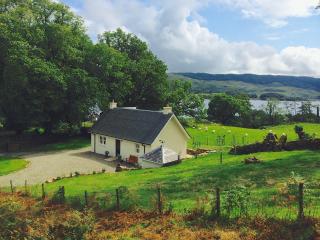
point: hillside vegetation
(26, 218)
(287, 86)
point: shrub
(12, 225)
(58, 197)
(128, 199)
(237, 201)
(301, 134)
(74, 226)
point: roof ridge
(137, 109)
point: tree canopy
(183, 101)
(146, 72)
(52, 73)
(227, 109)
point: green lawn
(183, 184)
(10, 164)
(206, 134)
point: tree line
(52, 73)
(237, 110)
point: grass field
(183, 184)
(8, 165)
(206, 135)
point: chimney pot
(113, 105)
(167, 110)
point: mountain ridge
(287, 87)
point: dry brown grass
(26, 218)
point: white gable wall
(173, 137)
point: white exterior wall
(173, 137)
(127, 148)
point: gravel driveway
(48, 165)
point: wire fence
(225, 140)
(295, 201)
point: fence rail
(230, 203)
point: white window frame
(137, 148)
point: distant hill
(283, 87)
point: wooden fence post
(218, 207)
(11, 186)
(117, 199)
(300, 201)
(62, 194)
(26, 187)
(159, 200)
(43, 192)
(86, 198)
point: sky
(216, 36)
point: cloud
(174, 30)
(273, 13)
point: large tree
(52, 73)
(227, 109)
(183, 101)
(42, 52)
(147, 73)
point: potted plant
(106, 153)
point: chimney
(167, 110)
(113, 105)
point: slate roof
(161, 155)
(141, 126)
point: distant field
(207, 134)
(10, 164)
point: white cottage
(128, 132)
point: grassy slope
(182, 184)
(200, 134)
(8, 165)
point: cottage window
(138, 148)
(103, 140)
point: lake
(285, 106)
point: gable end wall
(174, 138)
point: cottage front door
(118, 144)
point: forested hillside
(286, 87)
